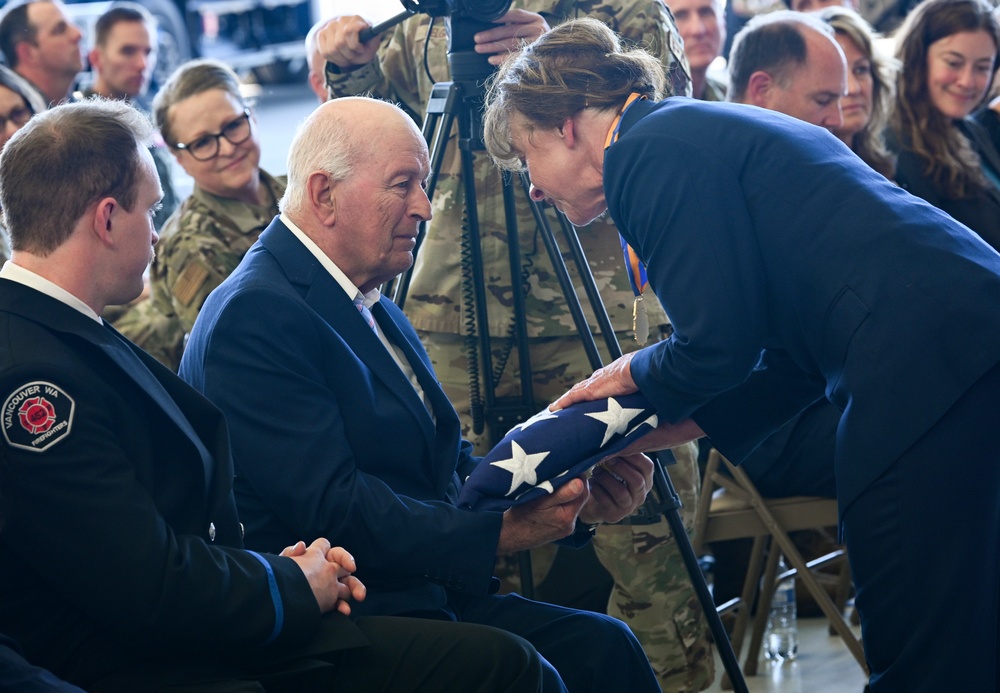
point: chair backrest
(729, 507)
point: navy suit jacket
(791, 270)
(330, 438)
(121, 542)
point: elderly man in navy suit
(339, 422)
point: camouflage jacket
(715, 89)
(434, 301)
(200, 245)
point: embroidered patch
(36, 416)
(190, 282)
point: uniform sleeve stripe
(279, 610)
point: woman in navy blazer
(792, 271)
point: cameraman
(402, 66)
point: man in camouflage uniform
(652, 590)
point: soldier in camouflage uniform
(652, 589)
(211, 231)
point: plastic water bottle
(781, 638)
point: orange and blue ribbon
(633, 265)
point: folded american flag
(551, 448)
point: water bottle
(781, 639)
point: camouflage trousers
(652, 591)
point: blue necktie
(359, 303)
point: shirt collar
(16, 273)
(369, 299)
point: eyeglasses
(19, 116)
(206, 147)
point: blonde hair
(869, 144)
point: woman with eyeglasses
(948, 53)
(15, 112)
(211, 131)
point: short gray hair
(325, 141)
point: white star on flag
(616, 418)
(521, 465)
(537, 418)
(652, 422)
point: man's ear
(94, 59)
(320, 188)
(317, 80)
(103, 220)
(759, 89)
(25, 52)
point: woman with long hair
(871, 88)
(948, 54)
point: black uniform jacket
(121, 540)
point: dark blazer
(790, 271)
(121, 541)
(330, 439)
(981, 213)
(18, 676)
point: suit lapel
(324, 295)
(123, 353)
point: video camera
(463, 20)
(479, 10)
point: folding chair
(730, 507)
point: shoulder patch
(37, 415)
(190, 282)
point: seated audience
(870, 89)
(948, 54)
(122, 566)
(338, 419)
(789, 62)
(212, 132)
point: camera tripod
(462, 100)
